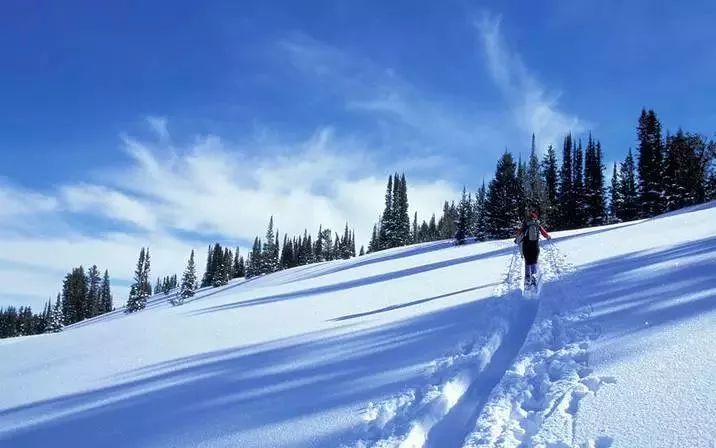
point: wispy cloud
(534, 109)
(416, 121)
(208, 188)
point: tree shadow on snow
(364, 281)
(223, 397)
(647, 290)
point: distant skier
(528, 235)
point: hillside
(429, 345)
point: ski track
(536, 401)
(519, 386)
(442, 414)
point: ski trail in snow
(452, 429)
(442, 413)
(536, 401)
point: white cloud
(210, 189)
(159, 126)
(533, 108)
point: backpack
(532, 232)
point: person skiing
(528, 235)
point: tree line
(666, 173)
(84, 295)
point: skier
(528, 235)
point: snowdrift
(425, 346)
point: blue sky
(120, 120)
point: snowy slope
(429, 345)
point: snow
(425, 346)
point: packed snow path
(428, 345)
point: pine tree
(92, 304)
(502, 204)
(403, 217)
(521, 187)
(480, 215)
(550, 209)
(208, 277)
(74, 296)
(536, 196)
(188, 281)
(628, 191)
(254, 264)
(55, 322)
(567, 205)
(593, 183)
(362, 251)
(463, 219)
(650, 164)
(685, 171)
(616, 203)
(106, 294)
(578, 186)
(385, 231)
(374, 243)
(237, 270)
(140, 289)
(415, 228)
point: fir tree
(536, 197)
(208, 277)
(74, 296)
(55, 322)
(615, 202)
(463, 219)
(106, 294)
(650, 164)
(502, 203)
(593, 183)
(567, 205)
(140, 289)
(92, 303)
(628, 191)
(550, 208)
(385, 235)
(578, 186)
(480, 218)
(188, 282)
(362, 251)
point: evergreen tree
(106, 294)
(463, 223)
(521, 187)
(578, 187)
(480, 218)
(208, 277)
(374, 244)
(269, 256)
(594, 183)
(567, 205)
(55, 322)
(502, 203)
(237, 269)
(685, 172)
(650, 164)
(254, 264)
(402, 215)
(415, 228)
(188, 281)
(536, 196)
(550, 208)
(432, 229)
(385, 235)
(616, 203)
(74, 296)
(140, 289)
(362, 251)
(628, 192)
(94, 281)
